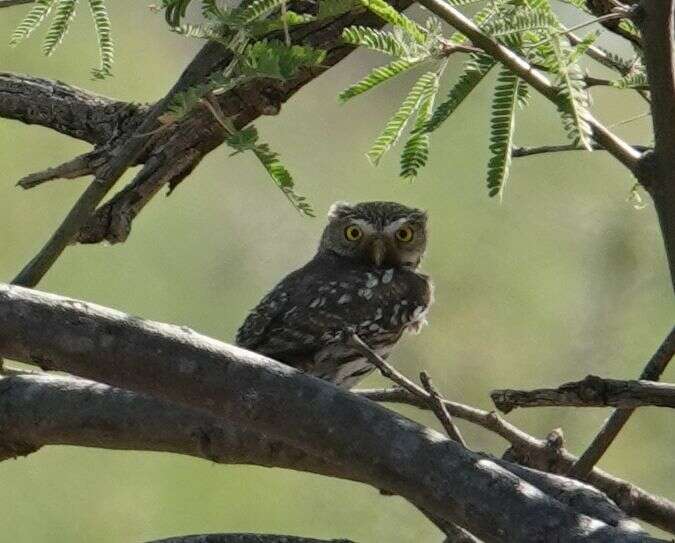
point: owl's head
(379, 234)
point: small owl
(363, 277)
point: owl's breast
(398, 300)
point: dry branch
(593, 391)
(379, 447)
(74, 112)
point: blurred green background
(563, 279)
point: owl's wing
(282, 325)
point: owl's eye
(404, 234)
(353, 232)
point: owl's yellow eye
(404, 234)
(353, 232)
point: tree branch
(613, 425)
(379, 447)
(657, 173)
(66, 109)
(519, 152)
(592, 391)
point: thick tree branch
(382, 449)
(66, 109)
(592, 391)
(613, 425)
(547, 456)
(74, 411)
(657, 173)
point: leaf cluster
(528, 27)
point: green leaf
(63, 16)
(174, 10)
(31, 21)
(378, 76)
(277, 60)
(389, 14)
(424, 87)
(636, 80)
(105, 43)
(247, 140)
(510, 92)
(520, 21)
(475, 70)
(374, 39)
(183, 102)
(416, 151)
(573, 101)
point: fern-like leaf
(475, 70)
(389, 14)
(277, 60)
(247, 140)
(99, 13)
(510, 92)
(378, 76)
(520, 21)
(636, 80)
(416, 151)
(31, 21)
(423, 88)
(374, 39)
(573, 101)
(63, 16)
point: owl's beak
(378, 251)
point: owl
(363, 278)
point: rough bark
(380, 448)
(74, 112)
(592, 391)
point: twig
(613, 425)
(592, 391)
(440, 410)
(79, 166)
(519, 152)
